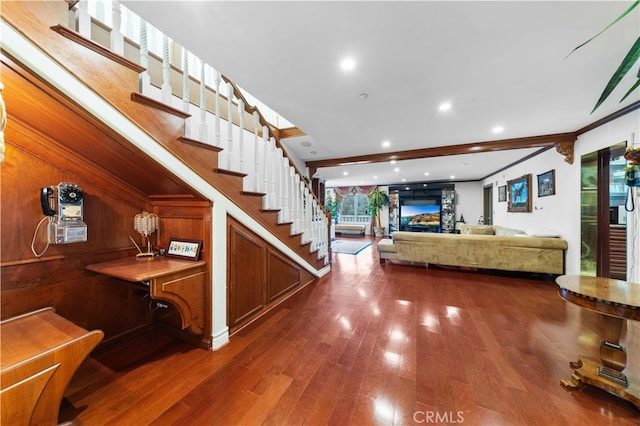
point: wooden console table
(616, 300)
(40, 352)
(176, 281)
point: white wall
(469, 201)
(561, 212)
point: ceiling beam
(440, 151)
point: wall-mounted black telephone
(46, 193)
(65, 223)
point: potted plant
(377, 200)
(331, 206)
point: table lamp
(146, 224)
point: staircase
(229, 145)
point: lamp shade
(145, 223)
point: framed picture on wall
(502, 193)
(547, 183)
(519, 194)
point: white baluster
(117, 39)
(256, 152)
(144, 80)
(288, 191)
(314, 228)
(166, 71)
(84, 19)
(306, 237)
(282, 192)
(186, 96)
(266, 166)
(241, 137)
(203, 130)
(300, 206)
(295, 201)
(216, 81)
(229, 127)
(270, 181)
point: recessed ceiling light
(386, 144)
(348, 64)
(392, 162)
(445, 106)
(397, 169)
(404, 180)
(497, 129)
(452, 177)
(424, 184)
(345, 173)
(407, 188)
(426, 173)
(375, 177)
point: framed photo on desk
(184, 249)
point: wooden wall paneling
(109, 216)
(70, 129)
(259, 276)
(246, 274)
(282, 275)
(189, 220)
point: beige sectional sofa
(485, 247)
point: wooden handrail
(250, 109)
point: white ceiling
(498, 63)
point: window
(354, 205)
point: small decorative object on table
(184, 249)
(146, 224)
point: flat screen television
(419, 216)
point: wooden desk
(176, 281)
(40, 352)
(616, 300)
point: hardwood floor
(369, 344)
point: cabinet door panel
(282, 276)
(246, 275)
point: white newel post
(117, 38)
(229, 127)
(166, 72)
(144, 80)
(216, 82)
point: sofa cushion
(386, 246)
(479, 230)
(501, 231)
(542, 233)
